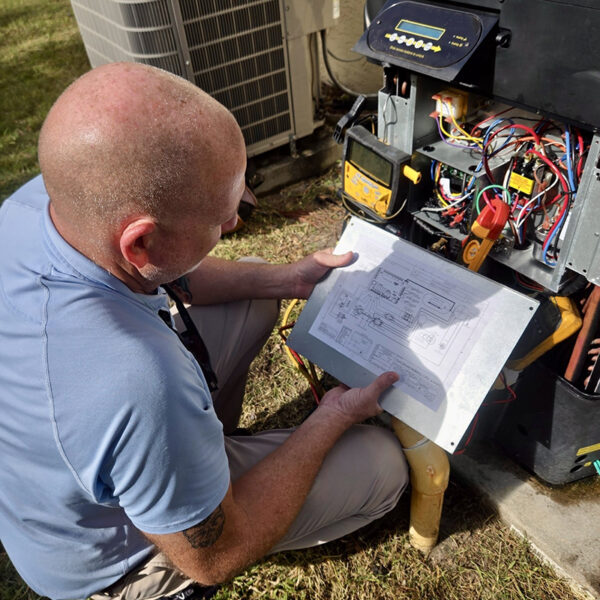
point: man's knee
(264, 314)
(382, 455)
(373, 460)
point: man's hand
(357, 404)
(312, 268)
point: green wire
(495, 186)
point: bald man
(120, 476)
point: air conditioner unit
(257, 57)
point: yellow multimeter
(374, 175)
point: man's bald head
(126, 139)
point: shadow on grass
(464, 512)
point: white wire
(521, 219)
(450, 205)
(387, 123)
(505, 193)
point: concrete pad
(562, 523)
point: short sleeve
(134, 421)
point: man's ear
(133, 241)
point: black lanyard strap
(193, 341)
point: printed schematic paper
(445, 330)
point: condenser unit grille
(238, 56)
(137, 31)
(248, 54)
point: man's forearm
(217, 280)
(274, 490)
(260, 506)
(266, 500)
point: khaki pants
(361, 479)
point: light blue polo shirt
(106, 422)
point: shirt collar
(70, 261)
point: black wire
(335, 80)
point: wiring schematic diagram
(400, 319)
(444, 329)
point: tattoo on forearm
(208, 532)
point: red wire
(301, 363)
(552, 167)
(536, 139)
(505, 401)
(489, 119)
(471, 432)
(511, 391)
(528, 285)
(563, 182)
(580, 151)
(558, 219)
(579, 168)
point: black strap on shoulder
(192, 340)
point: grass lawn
(477, 558)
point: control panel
(427, 38)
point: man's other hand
(358, 404)
(312, 268)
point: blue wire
(572, 190)
(489, 131)
(549, 240)
(569, 162)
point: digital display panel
(371, 163)
(427, 31)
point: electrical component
(451, 199)
(450, 104)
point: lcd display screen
(427, 31)
(370, 163)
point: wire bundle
(307, 370)
(553, 165)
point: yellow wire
(447, 133)
(361, 215)
(309, 376)
(436, 180)
(284, 322)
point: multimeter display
(371, 178)
(370, 163)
